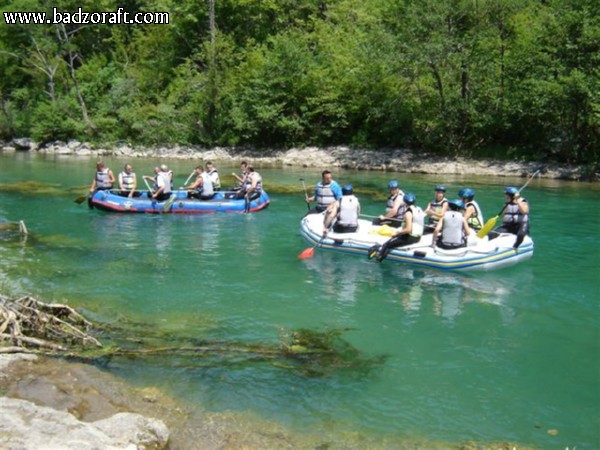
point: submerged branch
(29, 325)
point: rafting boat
(178, 203)
(491, 252)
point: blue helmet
(393, 184)
(440, 188)
(347, 189)
(456, 204)
(511, 190)
(466, 193)
(410, 198)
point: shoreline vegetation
(392, 160)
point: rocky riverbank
(399, 160)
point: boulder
(25, 425)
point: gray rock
(24, 425)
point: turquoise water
(500, 356)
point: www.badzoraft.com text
(118, 17)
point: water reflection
(339, 277)
(448, 294)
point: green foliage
(53, 121)
(453, 76)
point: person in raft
(163, 183)
(516, 215)
(327, 191)
(103, 179)
(202, 187)
(452, 228)
(344, 213)
(410, 232)
(127, 181)
(395, 207)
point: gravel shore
(392, 160)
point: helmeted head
(393, 184)
(347, 189)
(456, 204)
(511, 191)
(410, 198)
(440, 188)
(164, 167)
(466, 193)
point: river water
(511, 355)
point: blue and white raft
(489, 253)
(178, 203)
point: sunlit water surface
(500, 356)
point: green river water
(500, 356)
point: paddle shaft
(519, 191)
(190, 177)
(377, 217)
(491, 223)
(305, 193)
(149, 188)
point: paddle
(82, 198)
(491, 223)
(309, 252)
(148, 186)
(188, 179)
(377, 217)
(169, 202)
(305, 194)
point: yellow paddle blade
(307, 253)
(489, 226)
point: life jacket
(437, 208)
(127, 180)
(324, 194)
(476, 220)
(512, 214)
(206, 188)
(348, 212)
(102, 179)
(214, 177)
(248, 182)
(163, 180)
(452, 229)
(418, 221)
(391, 200)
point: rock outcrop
(26, 425)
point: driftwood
(31, 325)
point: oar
(305, 194)
(377, 217)
(169, 202)
(188, 179)
(309, 252)
(149, 188)
(491, 223)
(82, 198)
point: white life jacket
(476, 220)
(206, 188)
(348, 212)
(103, 179)
(163, 179)
(452, 229)
(127, 180)
(324, 194)
(214, 177)
(418, 221)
